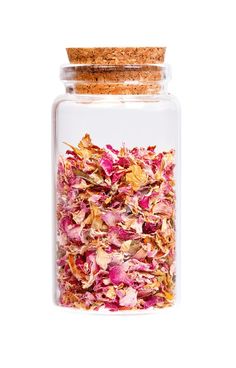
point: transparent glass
(116, 200)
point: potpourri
(115, 227)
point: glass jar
(116, 173)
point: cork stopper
(116, 55)
(111, 70)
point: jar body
(117, 163)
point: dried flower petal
(103, 258)
(149, 228)
(116, 227)
(137, 177)
(107, 165)
(144, 202)
(129, 299)
(111, 218)
(118, 275)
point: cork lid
(115, 70)
(116, 55)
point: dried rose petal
(118, 275)
(124, 162)
(113, 307)
(117, 176)
(129, 299)
(164, 208)
(110, 148)
(74, 233)
(117, 234)
(107, 165)
(150, 302)
(103, 258)
(116, 227)
(149, 228)
(144, 202)
(137, 177)
(111, 218)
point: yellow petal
(111, 292)
(137, 177)
(102, 258)
(168, 295)
(125, 245)
(85, 141)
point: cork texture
(117, 89)
(116, 55)
(116, 70)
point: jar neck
(115, 79)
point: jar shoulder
(167, 101)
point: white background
(201, 49)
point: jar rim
(115, 79)
(68, 72)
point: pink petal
(107, 165)
(124, 162)
(144, 202)
(150, 302)
(149, 228)
(129, 299)
(111, 218)
(118, 275)
(113, 150)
